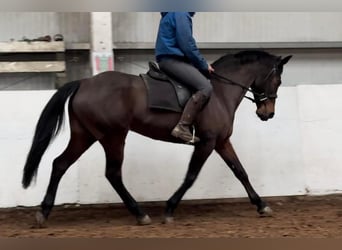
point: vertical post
(101, 42)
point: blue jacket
(175, 38)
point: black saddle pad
(163, 92)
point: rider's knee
(207, 91)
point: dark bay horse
(106, 106)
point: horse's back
(107, 101)
(115, 101)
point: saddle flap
(165, 94)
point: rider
(178, 56)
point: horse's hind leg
(114, 150)
(80, 141)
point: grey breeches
(187, 74)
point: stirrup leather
(192, 141)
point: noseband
(258, 97)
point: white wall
(208, 26)
(238, 27)
(267, 26)
(297, 152)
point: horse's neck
(231, 95)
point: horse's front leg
(226, 151)
(199, 156)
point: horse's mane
(244, 57)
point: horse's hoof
(145, 220)
(40, 219)
(266, 212)
(168, 220)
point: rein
(258, 97)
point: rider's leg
(193, 78)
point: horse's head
(265, 88)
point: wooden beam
(28, 47)
(34, 66)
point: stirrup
(190, 139)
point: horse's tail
(48, 126)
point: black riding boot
(192, 108)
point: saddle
(164, 92)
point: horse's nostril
(271, 115)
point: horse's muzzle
(265, 117)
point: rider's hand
(210, 69)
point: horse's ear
(285, 60)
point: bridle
(258, 97)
